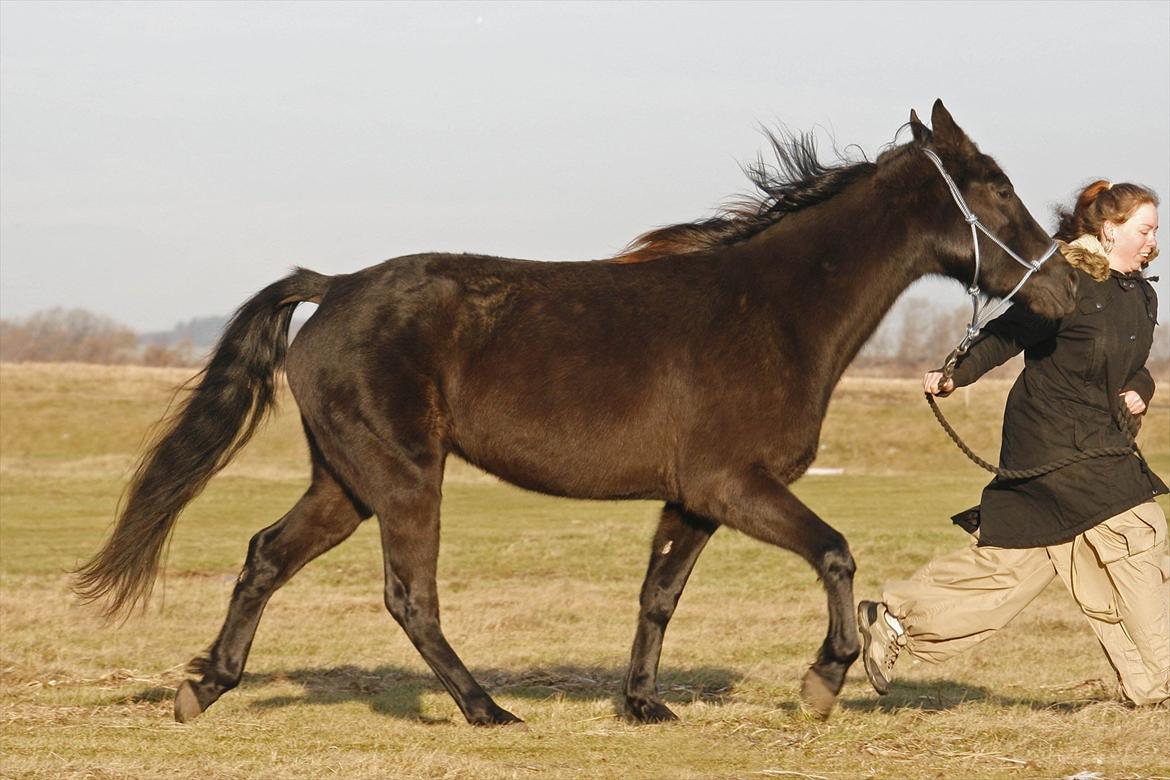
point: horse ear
(947, 134)
(941, 119)
(921, 132)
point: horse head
(990, 197)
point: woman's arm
(1004, 337)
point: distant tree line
(919, 334)
(916, 336)
(80, 336)
(201, 332)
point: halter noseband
(978, 320)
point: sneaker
(882, 638)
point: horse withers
(695, 369)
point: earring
(1108, 245)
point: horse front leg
(680, 537)
(760, 506)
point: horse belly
(569, 454)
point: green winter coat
(1066, 400)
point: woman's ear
(1108, 235)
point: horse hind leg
(761, 507)
(388, 447)
(324, 516)
(408, 516)
(679, 539)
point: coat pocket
(1090, 435)
(1094, 350)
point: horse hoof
(499, 717)
(187, 707)
(649, 711)
(817, 697)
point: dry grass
(540, 597)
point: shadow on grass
(150, 696)
(938, 695)
(398, 692)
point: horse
(695, 368)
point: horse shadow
(398, 692)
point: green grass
(540, 598)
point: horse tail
(233, 394)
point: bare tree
(916, 335)
(77, 335)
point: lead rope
(1099, 452)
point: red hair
(1102, 202)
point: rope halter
(980, 318)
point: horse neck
(841, 265)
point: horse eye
(1004, 192)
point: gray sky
(160, 161)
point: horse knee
(657, 605)
(837, 563)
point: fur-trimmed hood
(1087, 254)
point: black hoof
(497, 716)
(648, 711)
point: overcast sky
(161, 161)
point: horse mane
(796, 180)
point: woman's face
(1134, 240)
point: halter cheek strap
(980, 318)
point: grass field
(540, 599)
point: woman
(1094, 524)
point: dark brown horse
(695, 369)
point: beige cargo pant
(1118, 572)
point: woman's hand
(1133, 402)
(935, 384)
